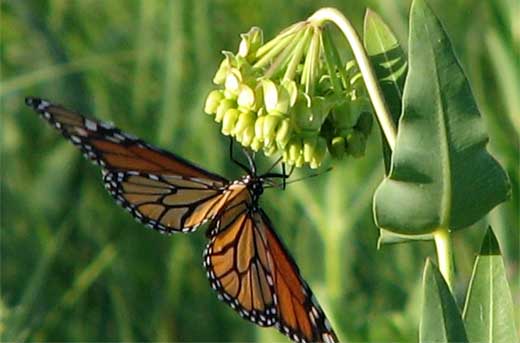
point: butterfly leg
(240, 164)
(250, 160)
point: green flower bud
(285, 156)
(259, 127)
(321, 108)
(256, 37)
(358, 106)
(284, 98)
(243, 48)
(283, 134)
(309, 144)
(295, 149)
(250, 42)
(308, 118)
(299, 161)
(245, 119)
(222, 71)
(314, 163)
(256, 144)
(238, 137)
(229, 120)
(364, 123)
(337, 147)
(356, 144)
(230, 95)
(248, 135)
(271, 122)
(259, 100)
(233, 81)
(300, 113)
(270, 150)
(246, 97)
(270, 95)
(261, 112)
(224, 105)
(327, 129)
(342, 116)
(213, 101)
(292, 89)
(319, 153)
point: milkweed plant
(297, 95)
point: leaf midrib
(444, 146)
(490, 297)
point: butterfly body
(246, 262)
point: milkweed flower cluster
(291, 95)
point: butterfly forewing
(300, 316)
(160, 189)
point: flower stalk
(365, 67)
(443, 247)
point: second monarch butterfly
(246, 262)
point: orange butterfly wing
(246, 262)
(252, 271)
(160, 189)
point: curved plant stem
(365, 67)
(443, 246)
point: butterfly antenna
(274, 165)
(284, 183)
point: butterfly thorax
(255, 186)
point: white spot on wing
(119, 136)
(113, 139)
(327, 338)
(43, 105)
(106, 125)
(91, 125)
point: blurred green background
(75, 267)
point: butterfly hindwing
(253, 272)
(240, 276)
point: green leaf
(389, 62)
(441, 173)
(440, 319)
(488, 311)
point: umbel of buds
(291, 96)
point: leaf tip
(427, 268)
(490, 244)
(372, 17)
(369, 14)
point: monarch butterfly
(246, 262)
